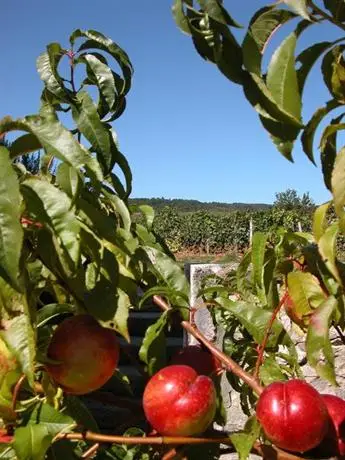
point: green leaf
(299, 6)
(255, 320)
(32, 442)
(271, 372)
(149, 215)
(328, 131)
(338, 177)
(68, 180)
(328, 153)
(168, 270)
(103, 76)
(20, 337)
(56, 140)
(333, 70)
(320, 220)
(175, 297)
(24, 144)
(179, 16)
(99, 41)
(319, 348)
(282, 135)
(258, 257)
(53, 311)
(52, 208)
(120, 208)
(153, 349)
(264, 23)
(89, 124)
(307, 59)
(282, 77)
(122, 313)
(308, 134)
(305, 293)
(337, 8)
(242, 269)
(11, 232)
(244, 441)
(9, 376)
(216, 11)
(47, 64)
(327, 249)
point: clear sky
(187, 131)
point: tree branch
(229, 363)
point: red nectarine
(334, 441)
(87, 354)
(179, 402)
(202, 361)
(293, 415)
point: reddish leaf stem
(263, 345)
(230, 364)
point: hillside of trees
(182, 205)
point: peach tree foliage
(69, 239)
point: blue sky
(187, 131)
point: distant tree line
(207, 230)
(182, 205)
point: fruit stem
(229, 363)
(260, 358)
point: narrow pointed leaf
(328, 153)
(97, 40)
(308, 134)
(258, 257)
(318, 345)
(255, 320)
(153, 349)
(307, 59)
(104, 78)
(179, 16)
(24, 144)
(168, 270)
(243, 441)
(68, 180)
(320, 220)
(20, 337)
(11, 232)
(305, 293)
(216, 11)
(338, 178)
(56, 140)
(327, 249)
(282, 78)
(299, 6)
(89, 124)
(47, 64)
(52, 208)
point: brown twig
(340, 333)
(263, 345)
(268, 452)
(129, 440)
(90, 452)
(16, 390)
(230, 364)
